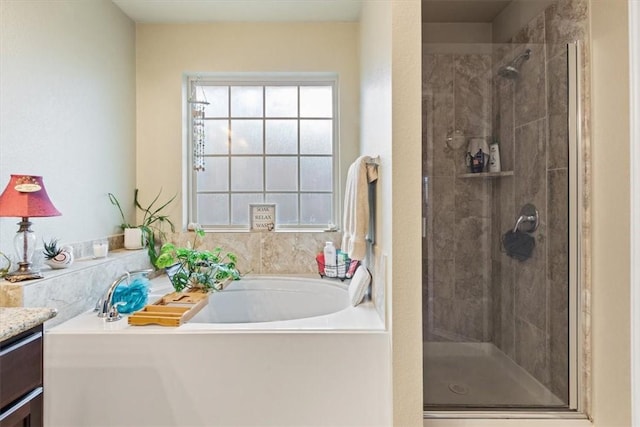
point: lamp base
(23, 272)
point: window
(268, 141)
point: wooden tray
(171, 310)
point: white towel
(356, 207)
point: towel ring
(528, 220)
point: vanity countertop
(15, 320)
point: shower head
(512, 69)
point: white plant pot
(63, 260)
(133, 238)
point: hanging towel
(356, 207)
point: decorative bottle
(494, 157)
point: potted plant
(192, 269)
(5, 264)
(136, 236)
(57, 257)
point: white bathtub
(268, 299)
(240, 365)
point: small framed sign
(262, 217)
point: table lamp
(25, 196)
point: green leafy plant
(190, 268)
(5, 264)
(153, 221)
(51, 249)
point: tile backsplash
(267, 253)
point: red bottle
(320, 261)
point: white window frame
(259, 79)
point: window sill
(279, 230)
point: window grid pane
(277, 147)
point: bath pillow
(359, 284)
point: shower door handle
(425, 198)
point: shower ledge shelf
(486, 174)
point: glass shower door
(499, 295)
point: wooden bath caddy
(173, 309)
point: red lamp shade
(25, 196)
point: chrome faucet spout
(105, 306)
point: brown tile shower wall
(457, 294)
(530, 118)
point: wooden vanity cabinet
(21, 379)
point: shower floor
(479, 375)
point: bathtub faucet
(105, 306)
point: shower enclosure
(499, 288)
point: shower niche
(499, 332)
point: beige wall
(406, 289)
(610, 298)
(67, 111)
(375, 133)
(390, 46)
(375, 112)
(164, 52)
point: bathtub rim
(362, 318)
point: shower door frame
(579, 306)
(576, 223)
